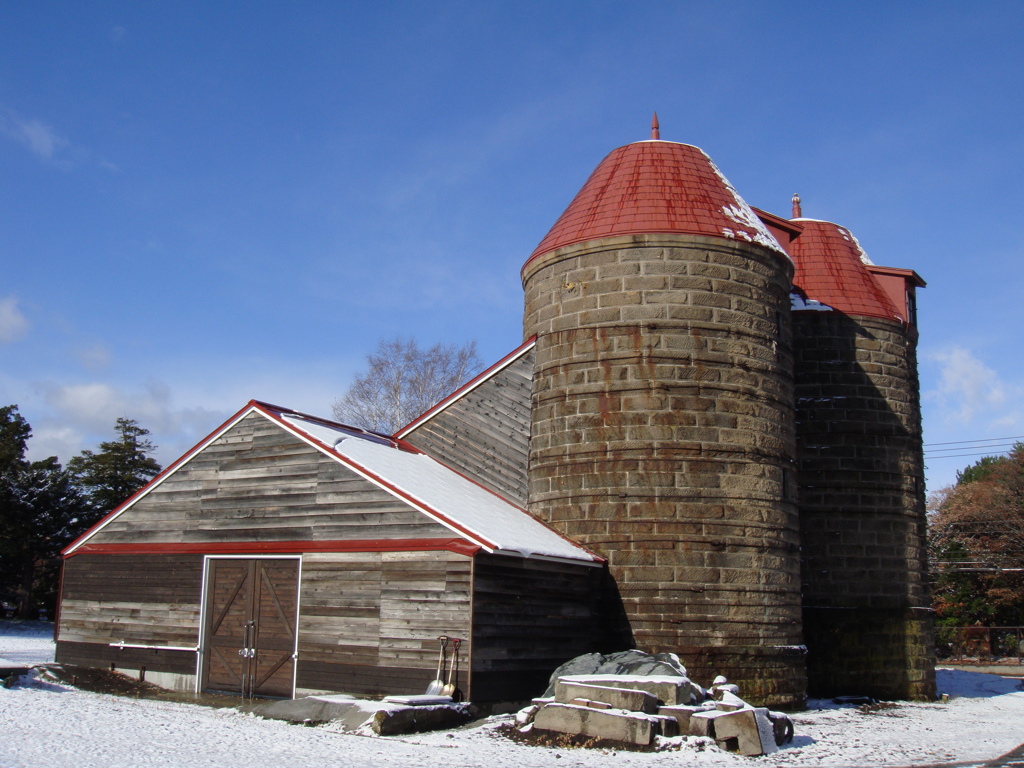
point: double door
(250, 623)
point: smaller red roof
(832, 268)
(656, 187)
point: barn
(287, 555)
(709, 443)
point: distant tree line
(44, 506)
(976, 544)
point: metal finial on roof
(655, 128)
(797, 212)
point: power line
(980, 440)
(992, 447)
(959, 455)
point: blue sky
(204, 203)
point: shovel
(435, 688)
(449, 688)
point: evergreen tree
(118, 470)
(41, 511)
(14, 435)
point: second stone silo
(867, 613)
(662, 431)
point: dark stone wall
(867, 619)
(663, 438)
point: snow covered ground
(43, 724)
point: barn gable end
(483, 429)
(257, 482)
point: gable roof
(473, 512)
(656, 187)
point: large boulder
(621, 663)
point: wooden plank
(485, 434)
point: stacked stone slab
(662, 432)
(866, 614)
(628, 709)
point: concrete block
(525, 716)
(703, 723)
(682, 714)
(619, 698)
(591, 704)
(729, 702)
(751, 729)
(632, 727)
(719, 690)
(668, 689)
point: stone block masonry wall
(867, 620)
(662, 437)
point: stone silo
(662, 416)
(866, 615)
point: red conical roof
(831, 268)
(654, 187)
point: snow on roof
(657, 187)
(845, 234)
(442, 493)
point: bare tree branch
(404, 381)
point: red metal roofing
(830, 268)
(652, 187)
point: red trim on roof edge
(466, 388)
(458, 546)
(909, 274)
(160, 477)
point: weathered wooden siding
(485, 434)
(370, 621)
(257, 482)
(135, 599)
(529, 616)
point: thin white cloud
(969, 391)
(71, 417)
(42, 140)
(179, 409)
(13, 324)
(95, 358)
